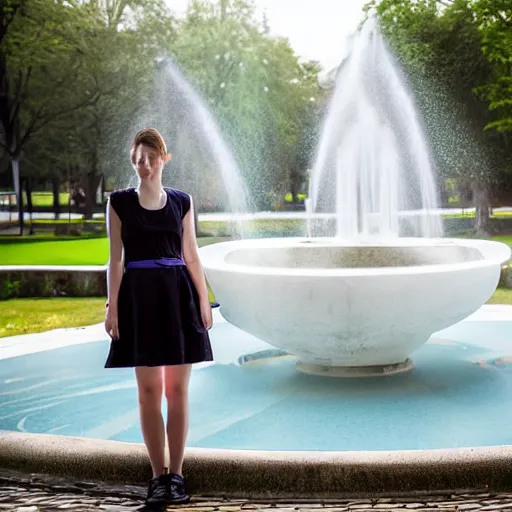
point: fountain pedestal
(355, 371)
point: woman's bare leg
(176, 379)
(150, 386)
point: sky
(316, 29)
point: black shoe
(158, 490)
(177, 492)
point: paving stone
(37, 493)
(208, 504)
(497, 506)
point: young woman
(158, 311)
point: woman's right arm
(115, 267)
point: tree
(440, 45)
(41, 57)
(494, 18)
(90, 140)
(135, 32)
(256, 87)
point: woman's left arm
(195, 269)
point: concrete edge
(265, 473)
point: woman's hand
(111, 325)
(206, 314)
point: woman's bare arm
(115, 263)
(191, 255)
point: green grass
(506, 239)
(43, 237)
(472, 215)
(91, 251)
(24, 316)
(43, 222)
(501, 296)
(46, 198)
(70, 251)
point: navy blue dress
(158, 309)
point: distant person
(78, 197)
(158, 310)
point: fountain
(201, 153)
(359, 303)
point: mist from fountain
(373, 165)
(201, 152)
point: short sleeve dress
(158, 308)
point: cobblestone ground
(36, 493)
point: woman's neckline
(148, 209)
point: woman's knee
(176, 382)
(150, 394)
(176, 391)
(150, 386)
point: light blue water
(459, 394)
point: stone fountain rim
(213, 256)
(263, 473)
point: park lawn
(24, 316)
(501, 296)
(506, 239)
(46, 198)
(468, 214)
(89, 251)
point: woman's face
(148, 163)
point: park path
(37, 493)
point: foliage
(58, 76)
(263, 97)
(41, 66)
(450, 53)
(494, 18)
(55, 74)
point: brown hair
(149, 137)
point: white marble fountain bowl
(351, 309)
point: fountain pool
(252, 398)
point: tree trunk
(295, 186)
(56, 197)
(18, 190)
(483, 209)
(90, 194)
(30, 206)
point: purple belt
(159, 263)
